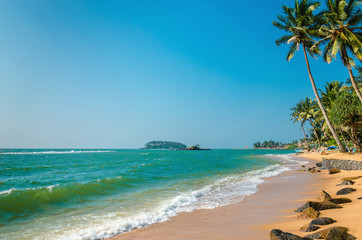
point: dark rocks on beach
(332, 232)
(360, 198)
(347, 182)
(309, 213)
(334, 170)
(323, 221)
(319, 164)
(325, 197)
(345, 191)
(319, 206)
(341, 200)
(277, 234)
(313, 170)
(338, 234)
(309, 228)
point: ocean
(95, 194)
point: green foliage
(195, 147)
(340, 30)
(292, 146)
(301, 25)
(346, 110)
(271, 144)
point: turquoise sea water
(94, 194)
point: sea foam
(55, 152)
(228, 190)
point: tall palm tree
(341, 32)
(301, 24)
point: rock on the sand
(313, 170)
(347, 182)
(337, 234)
(333, 233)
(325, 197)
(277, 234)
(334, 170)
(309, 213)
(309, 228)
(319, 206)
(323, 221)
(345, 191)
(341, 200)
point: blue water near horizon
(98, 193)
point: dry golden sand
(272, 207)
(350, 215)
(332, 155)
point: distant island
(276, 145)
(165, 145)
(196, 147)
(168, 145)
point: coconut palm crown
(341, 33)
(300, 24)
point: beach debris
(309, 228)
(303, 165)
(323, 221)
(319, 206)
(319, 164)
(333, 233)
(360, 198)
(334, 170)
(345, 191)
(346, 182)
(277, 234)
(309, 213)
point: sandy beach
(273, 206)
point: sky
(117, 74)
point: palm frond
(293, 48)
(283, 39)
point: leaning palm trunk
(348, 65)
(303, 132)
(344, 139)
(335, 136)
(315, 132)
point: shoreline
(245, 219)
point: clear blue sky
(117, 74)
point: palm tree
(309, 113)
(296, 111)
(332, 90)
(341, 32)
(301, 24)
